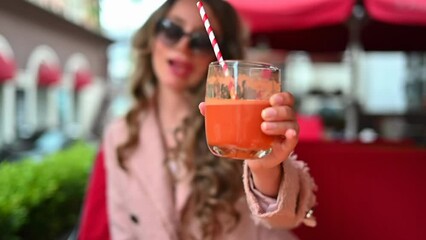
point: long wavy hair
(217, 185)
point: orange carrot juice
(233, 128)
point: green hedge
(42, 199)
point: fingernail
(267, 126)
(269, 113)
(278, 99)
(310, 222)
(290, 133)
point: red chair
(94, 218)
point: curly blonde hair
(216, 186)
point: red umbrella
(273, 15)
(408, 12)
(312, 25)
(321, 25)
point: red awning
(7, 68)
(407, 12)
(308, 25)
(48, 74)
(82, 79)
(274, 15)
(321, 25)
(395, 25)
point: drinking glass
(234, 101)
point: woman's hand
(280, 121)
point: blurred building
(53, 68)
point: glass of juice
(234, 101)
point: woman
(162, 181)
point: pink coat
(140, 205)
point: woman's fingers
(280, 118)
(282, 98)
(278, 113)
(289, 142)
(202, 107)
(281, 149)
(279, 128)
(286, 133)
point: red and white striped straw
(212, 37)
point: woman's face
(181, 63)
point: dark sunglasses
(171, 32)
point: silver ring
(309, 213)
